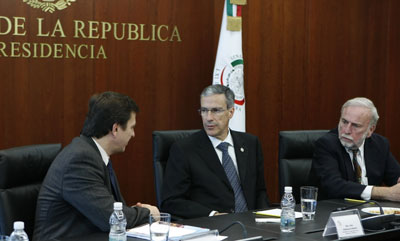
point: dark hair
(105, 110)
(220, 89)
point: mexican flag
(228, 69)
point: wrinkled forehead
(357, 114)
(213, 101)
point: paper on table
(268, 220)
(175, 231)
(276, 213)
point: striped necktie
(357, 168)
(230, 170)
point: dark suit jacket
(195, 182)
(333, 166)
(76, 195)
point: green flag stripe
(229, 8)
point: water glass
(4, 238)
(159, 226)
(308, 197)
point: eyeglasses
(214, 111)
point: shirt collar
(360, 149)
(103, 153)
(215, 141)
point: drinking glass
(308, 196)
(159, 226)
(4, 238)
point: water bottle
(288, 219)
(117, 224)
(19, 234)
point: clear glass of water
(4, 238)
(159, 226)
(308, 195)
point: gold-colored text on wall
(87, 30)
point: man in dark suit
(77, 195)
(216, 170)
(352, 161)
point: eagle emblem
(49, 5)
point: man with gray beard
(352, 161)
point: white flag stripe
(234, 7)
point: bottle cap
(19, 225)
(118, 206)
(288, 189)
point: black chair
(22, 170)
(296, 149)
(162, 142)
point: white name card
(348, 226)
(345, 224)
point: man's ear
(231, 112)
(114, 129)
(371, 130)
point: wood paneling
(303, 59)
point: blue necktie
(113, 181)
(230, 170)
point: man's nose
(347, 128)
(209, 115)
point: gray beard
(353, 146)
(348, 145)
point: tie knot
(355, 151)
(223, 146)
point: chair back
(22, 170)
(296, 150)
(162, 142)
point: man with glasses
(352, 161)
(216, 170)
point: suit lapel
(241, 152)
(348, 164)
(105, 169)
(369, 153)
(208, 154)
(118, 191)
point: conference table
(305, 230)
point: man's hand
(395, 192)
(153, 209)
(388, 193)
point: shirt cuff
(212, 213)
(366, 194)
